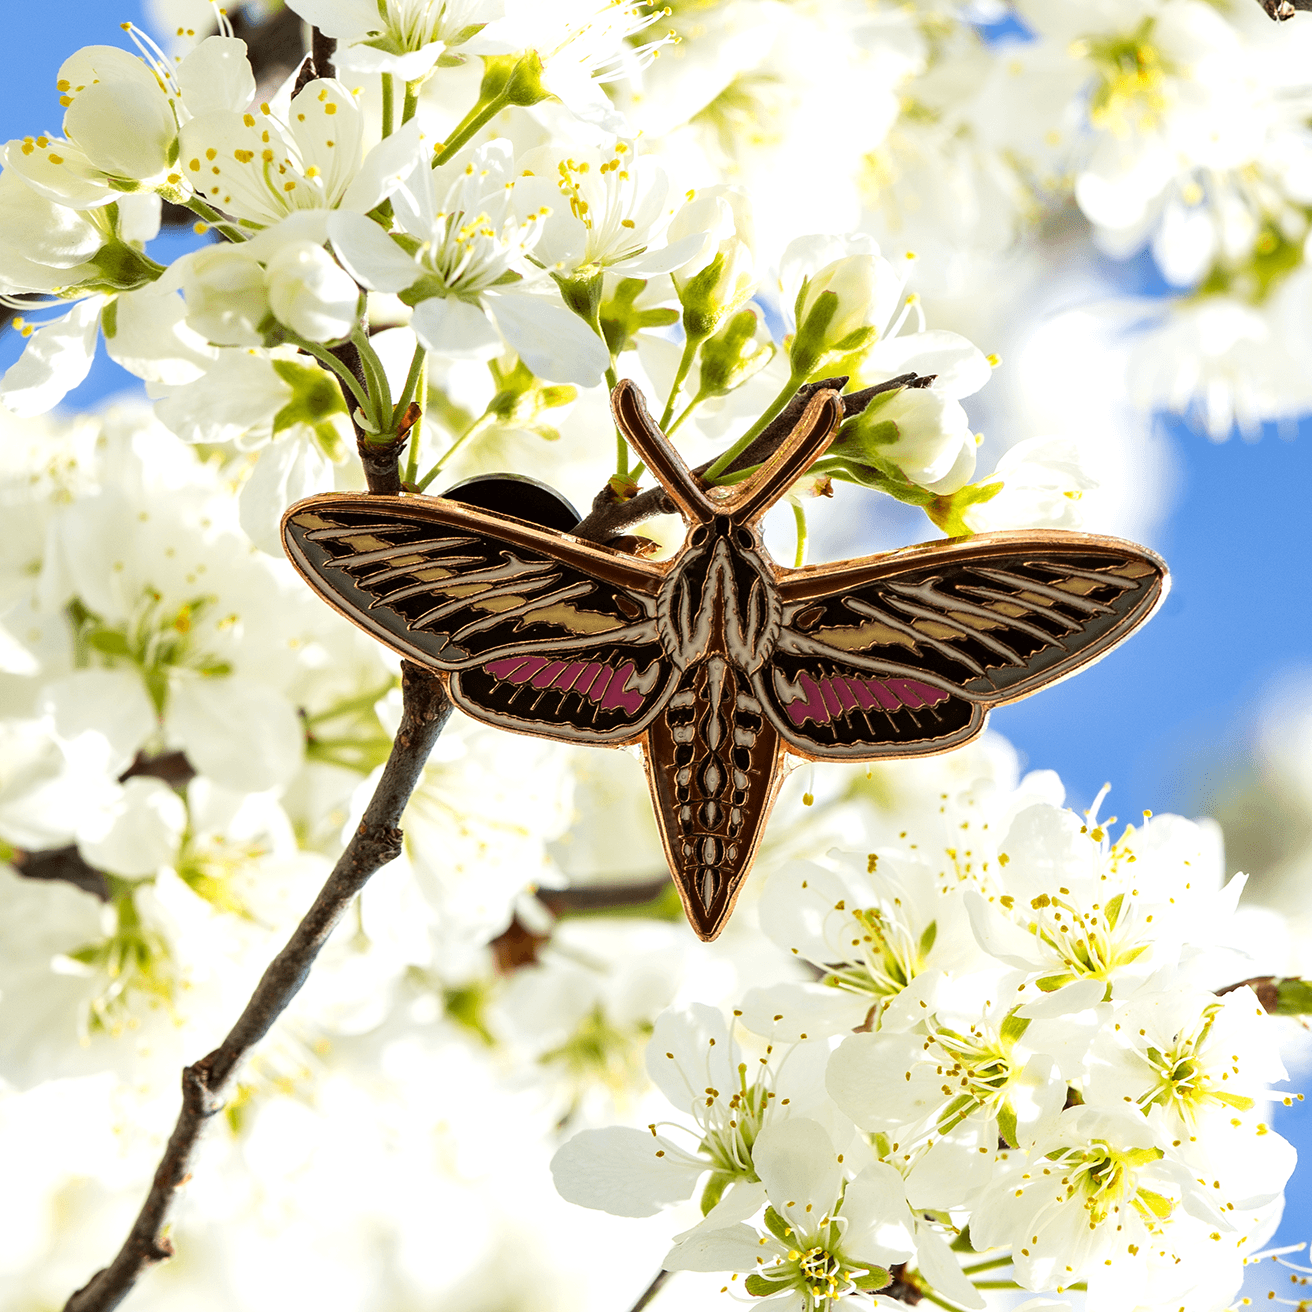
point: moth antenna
(645, 437)
(808, 441)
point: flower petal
(240, 733)
(455, 328)
(289, 468)
(385, 168)
(553, 341)
(800, 1170)
(58, 357)
(959, 367)
(369, 254)
(623, 1171)
(736, 1248)
(152, 340)
(111, 704)
(216, 75)
(142, 833)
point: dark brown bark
(62, 863)
(657, 1284)
(1280, 10)
(1265, 986)
(322, 51)
(204, 1084)
(609, 518)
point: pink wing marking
(598, 689)
(832, 704)
(809, 707)
(548, 674)
(917, 695)
(605, 687)
(617, 695)
(845, 694)
(516, 669)
(570, 677)
(828, 699)
(590, 675)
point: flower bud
(733, 355)
(722, 276)
(311, 293)
(917, 432)
(1037, 484)
(41, 241)
(225, 294)
(840, 309)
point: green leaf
(928, 937)
(1293, 997)
(1160, 1207)
(1051, 983)
(777, 1226)
(1007, 1125)
(1112, 911)
(315, 399)
(716, 1184)
(110, 642)
(875, 1278)
(759, 1287)
(1013, 1027)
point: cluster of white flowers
(1036, 1075)
(982, 1053)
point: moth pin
(719, 661)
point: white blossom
(472, 251)
(403, 38)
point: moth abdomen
(712, 770)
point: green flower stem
(484, 421)
(215, 220)
(726, 458)
(389, 103)
(691, 345)
(411, 106)
(940, 1302)
(990, 1265)
(799, 518)
(738, 476)
(477, 118)
(353, 705)
(995, 1284)
(683, 414)
(412, 383)
(379, 388)
(412, 460)
(326, 357)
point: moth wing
(903, 654)
(541, 633)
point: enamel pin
(719, 661)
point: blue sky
(1167, 718)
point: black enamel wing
(718, 661)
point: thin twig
(1265, 986)
(609, 518)
(381, 459)
(377, 841)
(1280, 10)
(657, 1284)
(322, 50)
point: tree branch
(609, 518)
(657, 1284)
(377, 841)
(1280, 10)
(322, 50)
